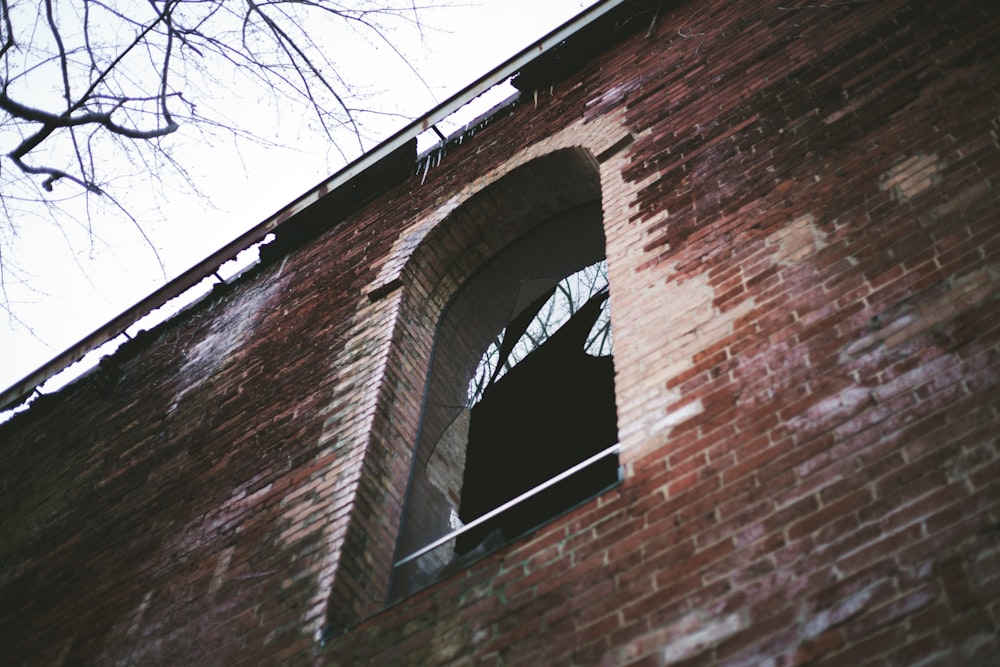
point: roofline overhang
(22, 390)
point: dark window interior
(546, 404)
(552, 410)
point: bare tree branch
(93, 92)
(275, 48)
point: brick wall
(799, 210)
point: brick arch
(374, 420)
(540, 220)
(393, 343)
(499, 213)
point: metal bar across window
(613, 449)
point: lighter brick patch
(597, 136)
(449, 454)
(139, 613)
(616, 93)
(838, 613)
(712, 632)
(221, 567)
(926, 310)
(796, 240)
(683, 310)
(826, 414)
(410, 240)
(963, 199)
(963, 293)
(675, 417)
(229, 330)
(911, 177)
(223, 518)
(686, 637)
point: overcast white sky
(72, 287)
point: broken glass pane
(552, 303)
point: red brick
(841, 375)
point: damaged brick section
(798, 210)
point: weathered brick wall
(150, 513)
(803, 291)
(799, 209)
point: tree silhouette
(125, 68)
(93, 91)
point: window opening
(542, 411)
(535, 433)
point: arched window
(519, 406)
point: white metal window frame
(613, 449)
